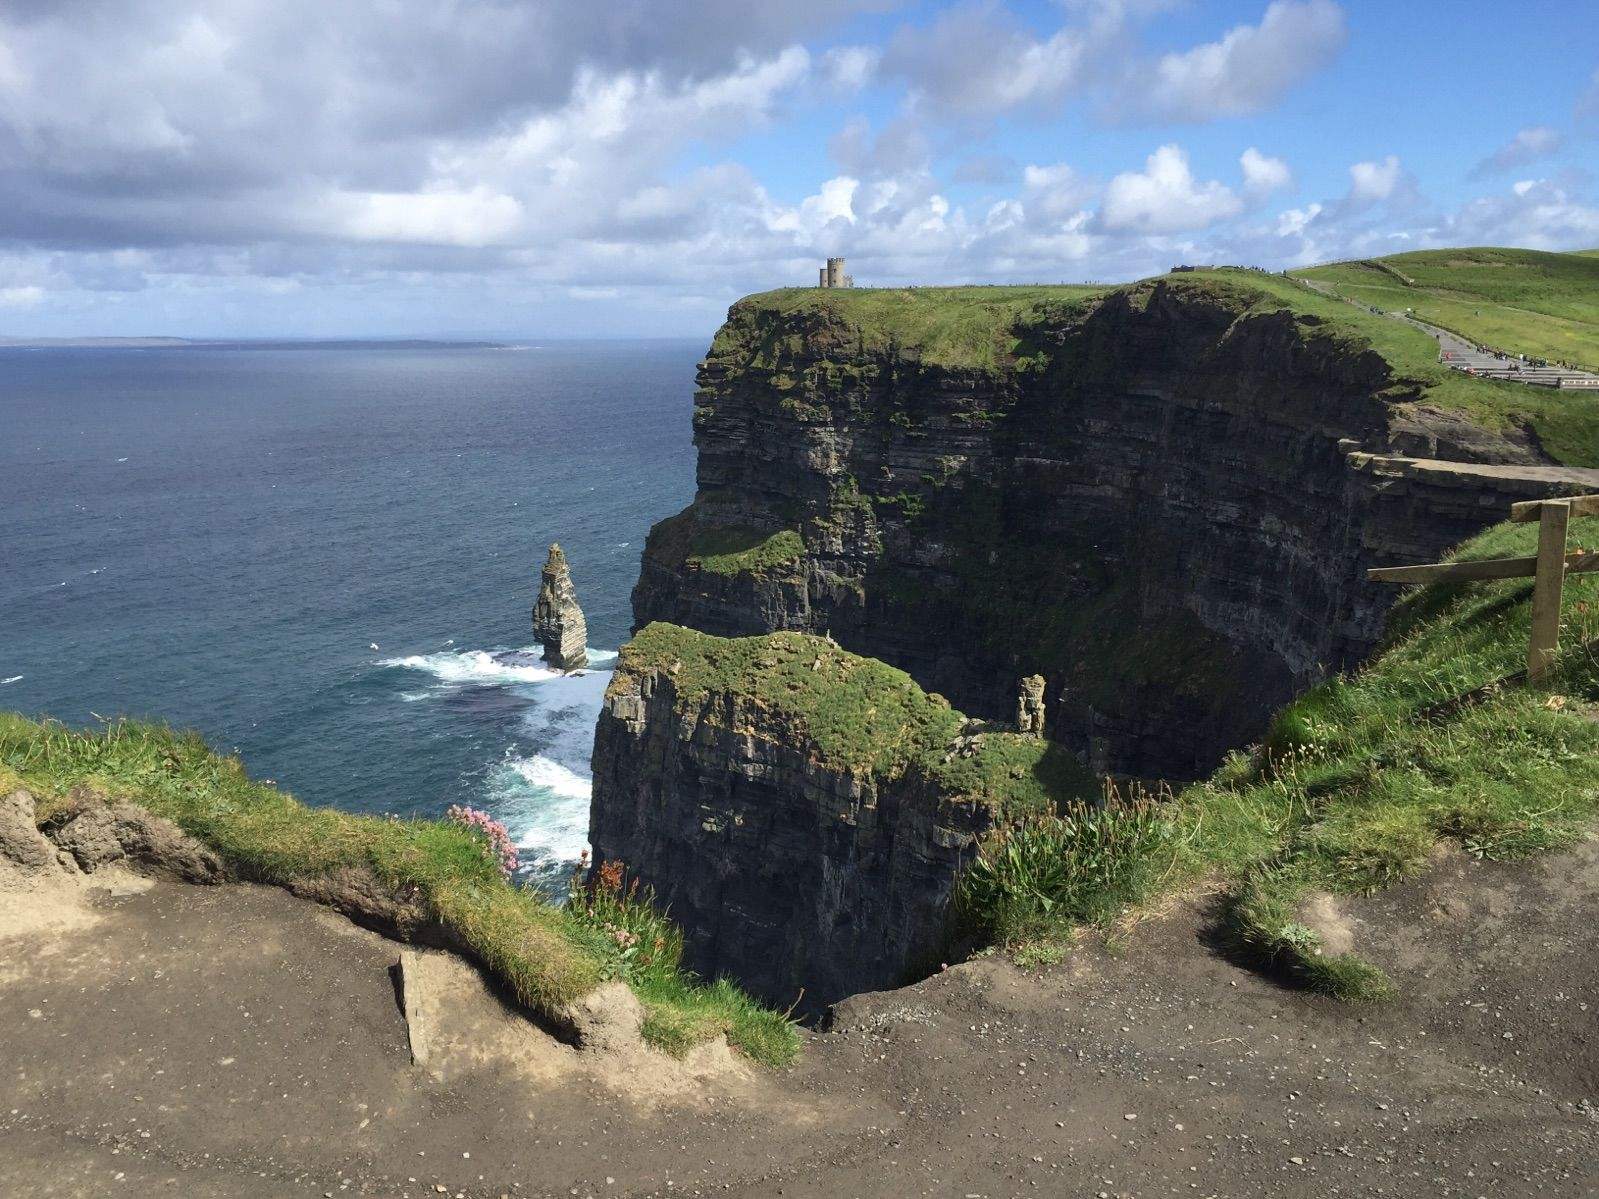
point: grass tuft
(724, 550)
(1354, 786)
(547, 956)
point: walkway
(1455, 351)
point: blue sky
(560, 168)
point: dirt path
(234, 1041)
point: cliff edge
(1161, 498)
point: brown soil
(238, 1041)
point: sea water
(325, 559)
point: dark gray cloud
(146, 121)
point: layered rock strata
(802, 812)
(1163, 501)
(557, 620)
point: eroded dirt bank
(235, 1041)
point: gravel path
(234, 1041)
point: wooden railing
(1548, 570)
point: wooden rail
(1548, 570)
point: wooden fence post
(1549, 581)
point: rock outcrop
(802, 812)
(1163, 501)
(557, 620)
(1030, 706)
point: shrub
(1044, 873)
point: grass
(995, 330)
(972, 328)
(1527, 301)
(1563, 421)
(547, 956)
(1356, 784)
(857, 714)
(726, 550)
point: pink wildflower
(501, 849)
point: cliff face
(1164, 501)
(804, 813)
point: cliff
(1162, 499)
(802, 812)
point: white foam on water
(16, 678)
(478, 666)
(542, 797)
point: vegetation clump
(1356, 785)
(858, 714)
(731, 550)
(546, 955)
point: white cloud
(1295, 220)
(1165, 197)
(478, 217)
(1055, 192)
(977, 60)
(851, 68)
(1248, 69)
(1529, 145)
(21, 297)
(1263, 174)
(1370, 182)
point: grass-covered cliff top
(955, 327)
(1356, 786)
(547, 956)
(856, 714)
(987, 328)
(1526, 301)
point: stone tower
(557, 620)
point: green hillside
(1527, 301)
(1357, 784)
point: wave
(542, 788)
(491, 666)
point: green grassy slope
(546, 955)
(1357, 783)
(1528, 301)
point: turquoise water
(325, 559)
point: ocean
(325, 560)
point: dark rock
(557, 620)
(1168, 514)
(803, 882)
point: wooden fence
(1548, 570)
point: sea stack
(557, 620)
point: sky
(616, 168)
